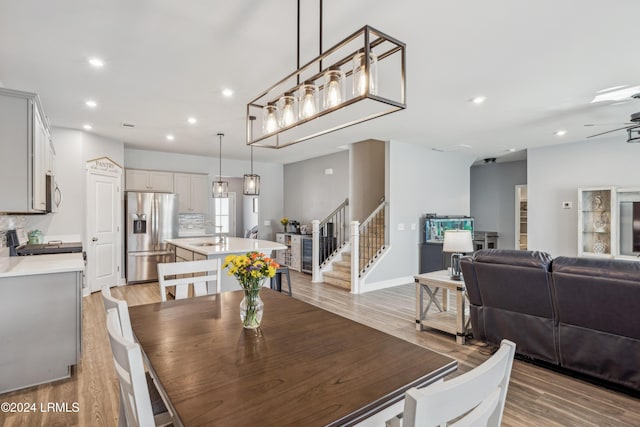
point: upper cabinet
(24, 148)
(597, 222)
(146, 180)
(192, 192)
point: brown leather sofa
(577, 313)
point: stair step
(346, 256)
(338, 275)
(338, 278)
(342, 266)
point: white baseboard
(374, 286)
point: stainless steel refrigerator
(150, 219)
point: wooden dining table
(304, 366)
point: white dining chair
(127, 358)
(203, 275)
(121, 308)
(475, 398)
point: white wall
(419, 180)
(493, 198)
(554, 175)
(271, 179)
(73, 148)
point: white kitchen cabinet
(40, 148)
(24, 137)
(292, 256)
(148, 180)
(192, 192)
(51, 158)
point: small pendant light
(220, 188)
(251, 185)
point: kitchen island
(198, 248)
(40, 318)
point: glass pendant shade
(333, 88)
(288, 110)
(360, 75)
(308, 100)
(220, 189)
(251, 185)
(251, 181)
(270, 119)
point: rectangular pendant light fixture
(358, 79)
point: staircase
(340, 276)
(370, 242)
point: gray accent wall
(554, 175)
(310, 193)
(493, 198)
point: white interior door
(103, 231)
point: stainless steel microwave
(54, 196)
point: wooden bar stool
(276, 281)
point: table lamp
(457, 242)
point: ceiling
(539, 63)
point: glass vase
(251, 308)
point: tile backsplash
(12, 222)
(191, 224)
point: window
(224, 215)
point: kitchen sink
(206, 244)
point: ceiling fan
(632, 128)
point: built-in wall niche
(629, 223)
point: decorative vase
(285, 227)
(599, 247)
(251, 308)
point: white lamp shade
(457, 241)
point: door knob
(95, 239)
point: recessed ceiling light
(96, 62)
(512, 150)
(228, 93)
(170, 137)
(192, 120)
(560, 132)
(91, 103)
(478, 99)
(87, 127)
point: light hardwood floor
(537, 396)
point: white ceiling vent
(128, 125)
(459, 147)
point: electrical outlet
(567, 205)
(267, 223)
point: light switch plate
(267, 223)
(400, 227)
(413, 227)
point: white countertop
(231, 245)
(40, 264)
